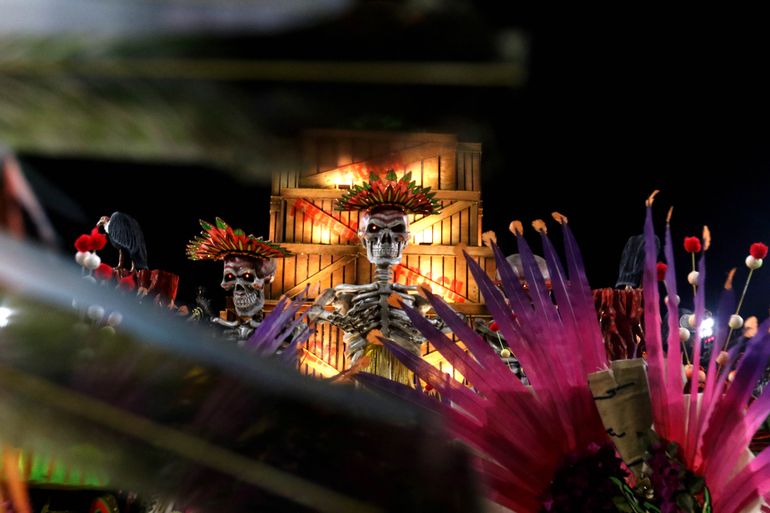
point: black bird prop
(126, 236)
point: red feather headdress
(220, 240)
(403, 194)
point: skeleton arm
(226, 324)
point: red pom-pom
(98, 240)
(128, 283)
(692, 244)
(661, 267)
(758, 250)
(494, 327)
(103, 272)
(83, 243)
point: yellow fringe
(383, 363)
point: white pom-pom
(95, 312)
(114, 318)
(676, 299)
(80, 257)
(735, 322)
(684, 334)
(692, 278)
(753, 263)
(92, 261)
(505, 353)
(691, 320)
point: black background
(617, 104)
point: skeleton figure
(248, 267)
(366, 311)
(246, 278)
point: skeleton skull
(384, 233)
(246, 278)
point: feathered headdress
(220, 240)
(402, 194)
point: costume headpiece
(403, 194)
(220, 240)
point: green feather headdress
(220, 240)
(402, 194)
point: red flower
(494, 327)
(98, 240)
(758, 250)
(128, 283)
(692, 244)
(103, 272)
(661, 267)
(83, 243)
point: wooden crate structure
(326, 249)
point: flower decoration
(402, 194)
(219, 240)
(757, 252)
(692, 244)
(544, 449)
(103, 272)
(661, 267)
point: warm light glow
(707, 327)
(5, 315)
(343, 180)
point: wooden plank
(473, 288)
(460, 171)
(447, 171)
(465, 226)
(323, 249)
(427, 221)
(476, 159)
(321, 275)
(276, 288)
(313, 266)
(311, 194)
(275, 185)
(325, 282)
(300, 268)
(276, 219)
(439, 250)
(350, 271)
(455, 235)
(437, 270)
(289, 270)
(461, 275)
(430, 172)
(306, 235)
(363, 270)
(327, 206)
(446, 232)
(290, 222)
(436, 238)
(474, 234)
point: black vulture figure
(125, 235)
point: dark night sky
(612, 110)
